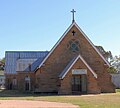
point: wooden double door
(79, 84)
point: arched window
(14, 81)
(27, 78)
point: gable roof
(70, 65)
(74, 24)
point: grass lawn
(110, 100)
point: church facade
(73, 66)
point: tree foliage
(114, 61)
(3, 60)
(2, 64)
(107, 54)
(112, 69)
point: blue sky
(35, 25)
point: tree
(112, 69)
(3, 60)
(115, 62)
(2, 63)
(107, 54)
(112, 60)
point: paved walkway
(34, 104)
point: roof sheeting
(11, 58)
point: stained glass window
(73, 45)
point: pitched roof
(11, 58)
(74, 24)
(70, 65)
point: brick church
(73, 66)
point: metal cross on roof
(73, 11)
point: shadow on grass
(16, 93)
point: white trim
(95, 75)
(70, 67)
(65, 35)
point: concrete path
(34, 104)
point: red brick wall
(61, 56)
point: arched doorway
(27, 83)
